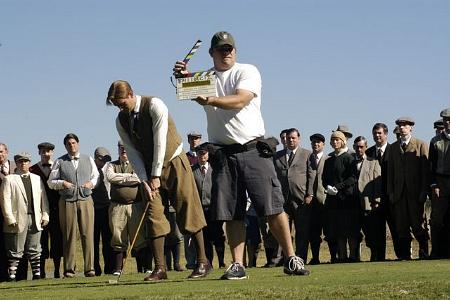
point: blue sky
(322, 63)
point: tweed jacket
(408, 171)
(297, 180)
(369, 183)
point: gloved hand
(331, 190)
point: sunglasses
(225, 48)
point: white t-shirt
(236, 125)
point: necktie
(379, 155)
(404, 146)
(3, 170)
(134, 121)
(24, 175)
(291, 158)
(203, 170)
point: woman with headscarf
(338, 181)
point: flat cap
(345, 130)
(445, 113)
(194, 134)
(22, 156)
(439, 124)
(101, 153)
(406, 120)
(317, 136)
(46, 146)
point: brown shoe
(157, 274)
(202, 270)
(90, 274)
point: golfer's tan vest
(143, 137)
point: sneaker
(295, 266)
(235, 271)
(117, 273)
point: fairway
(414, 279)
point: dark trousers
(274, 253)
(374, 229)
(409, 217)
(440, 220)
(101, 228)
(213, 236)
(308, 221)
(302, 218)
(390, 220)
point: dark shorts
(236, 174)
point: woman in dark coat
(341, 204)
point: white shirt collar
(288, 151)
(138, 104)
(206, 165)
(406, 141)
(319, 155)
(383, 148)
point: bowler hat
(345, 130)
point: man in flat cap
(52, 233)
(126, 209)
(155, 150)
(74, 175)
(25, 210)
(6, 167)
(100, 195)
(407, 186)
(439, 126)
(214, 235)
(317, 161)
(440, 187)
(380, 151)
(236, 127)
(194, 140)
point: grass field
(414, 279)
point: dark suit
(407, 186)
(213, 232)
(386, 207)
(3, 258)
(297, 181)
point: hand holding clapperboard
(191, 85)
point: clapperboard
(196, 84)
(192, 85)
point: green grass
(414, 279)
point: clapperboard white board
(196, 84)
